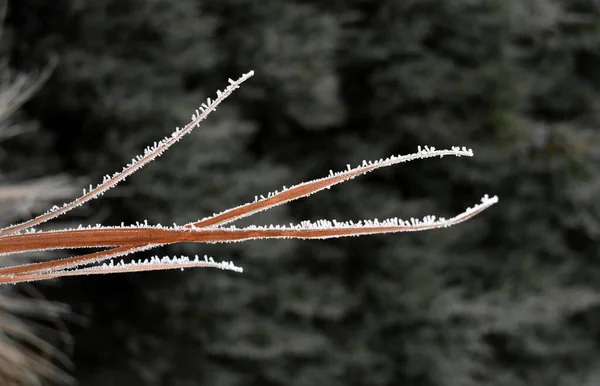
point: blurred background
(509, 298)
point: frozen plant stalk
(124, 240)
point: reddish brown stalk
(126, 240)
(132, 237)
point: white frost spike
(134, 166)
(165, 262)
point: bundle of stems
(123, 240)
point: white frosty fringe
(156, 262)
(152, 264)
(262, 202)
(150, 153)
(393, 224)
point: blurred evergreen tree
(506, 299)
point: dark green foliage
(510, 298)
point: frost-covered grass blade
(152, 264)
(125, 240)
(150, 154)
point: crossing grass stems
(124, 240)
